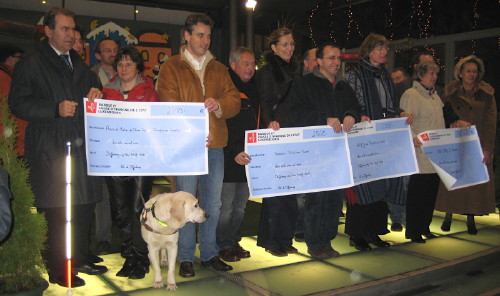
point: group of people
(49, 85)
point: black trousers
(422, 193)
(277, 222)
(321, 217)
(366, 220)
(126, 207)
(55, 252)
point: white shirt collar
(193, 61)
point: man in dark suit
(47, 90)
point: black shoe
(374, 239)
(429, 235)
(417, 239)
(290, 249)
(397, 227)
(229, 255)
(359, 243)
(76, 281)
(103, 248)
(127, 268)
(277, 252)
(95, 259)
(91, 269)
(242, 253)
(216, 264)
(299, 237)
(139, 271)
(186, 269)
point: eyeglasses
(18, 56)
(108, 50)
(332, 58)
(291, 44)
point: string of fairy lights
(420, 22)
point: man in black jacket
(319, 98)
(47, 90)
(235, 190)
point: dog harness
(144, 220)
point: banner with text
(314, 159)
(146, 138)
(381, 149)
(456, 155)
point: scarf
(367, 73)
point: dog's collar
(144, 220)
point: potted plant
(21, 263)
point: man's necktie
(65, 58)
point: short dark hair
(133, 54)
(418, 54)
(49, 19)
(196, 18)
(8, 50)
(98, 43)
(321, 49)
(399, 69)
(79, 30)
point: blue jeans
(210, 201)
(398, 213)
(232, 211)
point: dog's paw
(171, 287)
(164, 263)
(157, 285)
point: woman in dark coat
(279, 214)
(366, 218)
(125, 192)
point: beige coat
(428, 115)
(477, 107)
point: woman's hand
(242, 158)
(488, 157)
(408, 115)
(460, 123)
(274, 125)
(416, 142)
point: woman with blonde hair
(472, 100)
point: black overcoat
(40, 82)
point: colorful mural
(155, 49)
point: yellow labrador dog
(163, 215)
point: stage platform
(455, 263)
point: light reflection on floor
(299, 274)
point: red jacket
(142, 92)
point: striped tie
(65, 58)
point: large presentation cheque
(456, 155)
(314, 159)
(146, 139)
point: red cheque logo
(91, 107)
(425, 137)
(252, 138)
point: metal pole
(249, 32)
(233, 24)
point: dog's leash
(144, 214)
